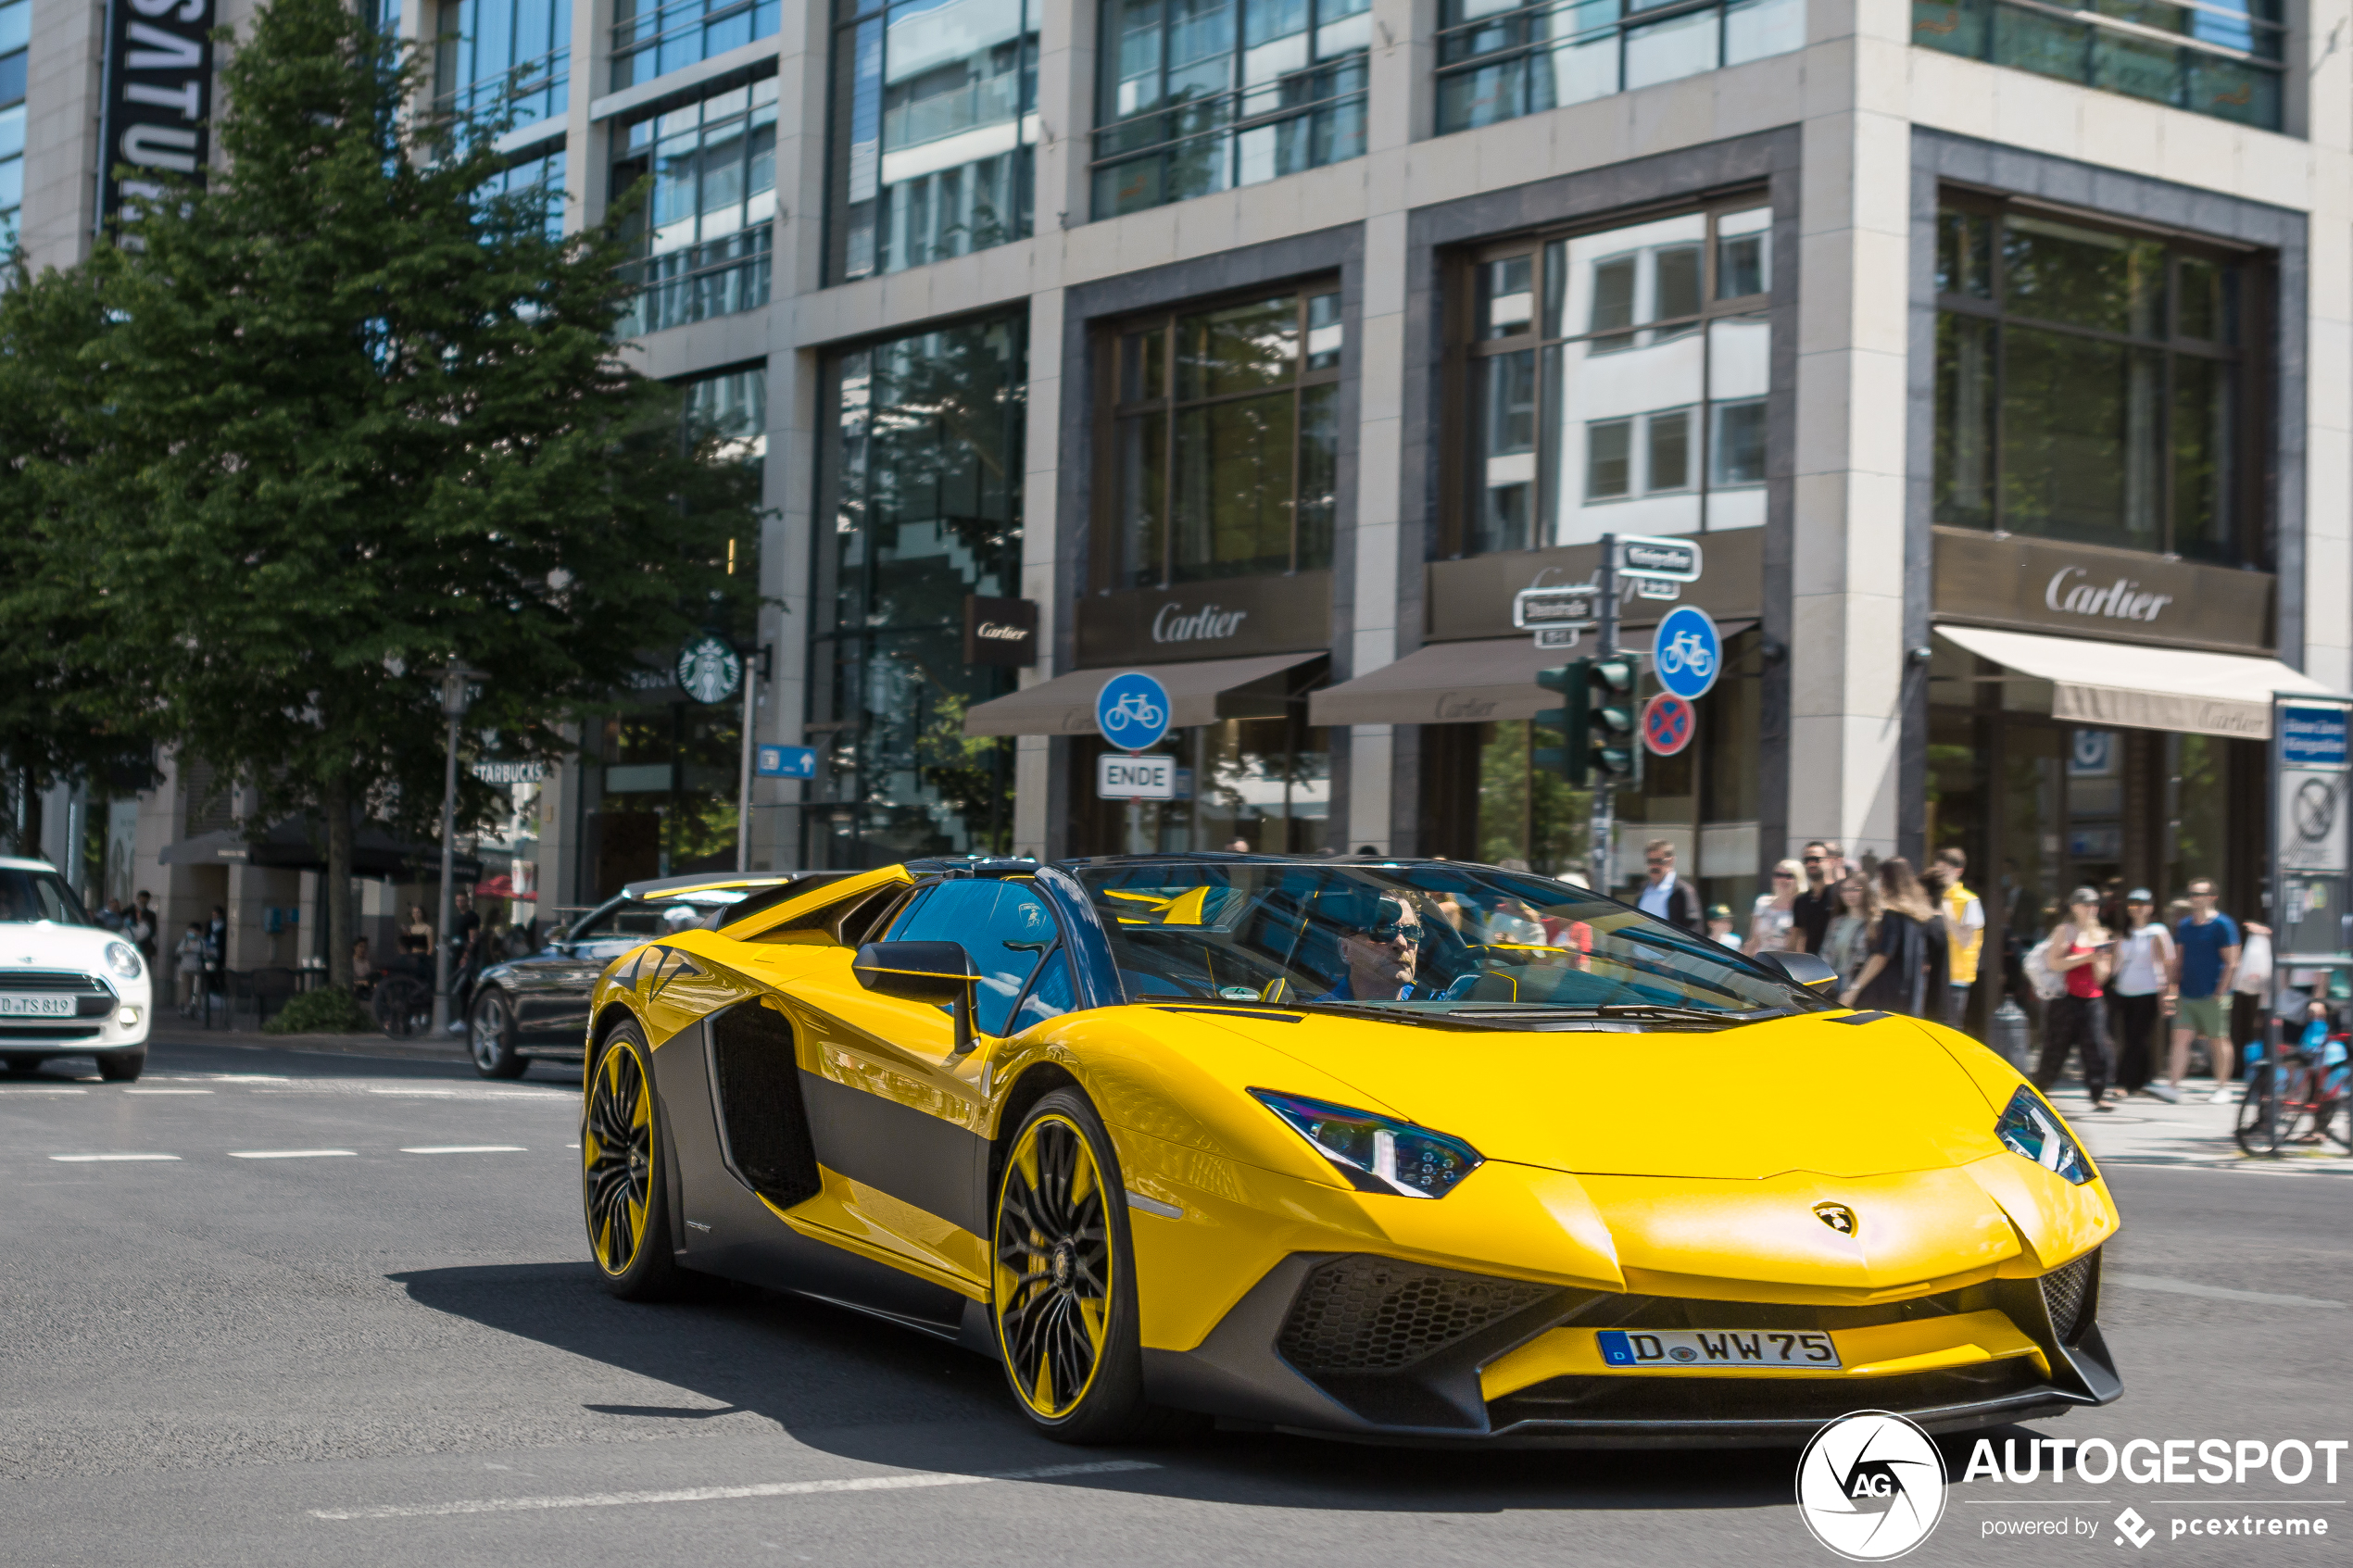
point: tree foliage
(338, 418)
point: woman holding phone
(2084, 952)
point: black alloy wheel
(1063, 1282)
(623, 1191)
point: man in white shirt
(1663, 896)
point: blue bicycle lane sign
(1687, 651)
(1132, 711)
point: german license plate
(17, 1004)
(1718, 1349)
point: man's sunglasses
(1390, 931)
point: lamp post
(457, 695)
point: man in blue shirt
(2205, 960)
(1380, 939)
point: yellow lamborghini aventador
(1388, 1150)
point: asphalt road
(400, 1354)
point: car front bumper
(98, 1024)
(1377, 1350)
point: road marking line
(88, 1159)
(2215, 1292)
(716, 1494)
(437, 1094)
(287, 1153)
(167, 1091)
(59, 1090)
(467, 1149)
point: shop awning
(2143, 688)
(300, 844)
(1200, 691)
(1457, 684)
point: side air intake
(762, 1119)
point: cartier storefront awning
(2139, 687)
(1200, 692)
(1473, 682)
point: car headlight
(2032, 1131)
(1378, 1153)
(123, 959)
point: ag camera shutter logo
(1870, 1486)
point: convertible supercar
(1398, 1150)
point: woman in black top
(1906, 972)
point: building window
(1201, 95)
(935, 114)
(650, 38)
(2218, 57)
(16, 34)
(1618, 382)
(1225, 431)
(1497, 60)
(2091, 385)
(538, 181)
(501, 59)
(706, 228)
(921, 478)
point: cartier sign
(1221, 619)
(1000, 632)
(2092, 591)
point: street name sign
(1662, 560)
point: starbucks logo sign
(709, 670)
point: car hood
(1750, 1102)
(46, 945)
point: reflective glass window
(538, 182)
(705, 229)
(1201, 95)
(503, 60)
(1618, 382)
(2218, 57)
(934, 117)
(652, 38)
(1003, 926)
(2089, 387)
(16, 34)
(920, 491)
(1225, 434)
(1498, 59)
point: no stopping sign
(1669, 724)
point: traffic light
(1612, 760)
(1567, 723)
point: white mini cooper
(68, 986)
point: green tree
(340, 419)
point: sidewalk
(2194, 1135)
(183, 1031)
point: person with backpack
(2082, 951)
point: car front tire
(1063, 1278)
(490, 1036)
(624, 1195)
(123, 1067)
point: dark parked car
(538, 1007)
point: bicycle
(1685, 651)
(2293, 1099)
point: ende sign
(1119, 777)
(156, 95)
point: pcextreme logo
(1870, 1486)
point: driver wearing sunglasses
(1379, 938)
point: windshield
(25, 896)
(1462, 940)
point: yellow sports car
(1387, 1149)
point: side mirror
(1809, 970)
(921, 972)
